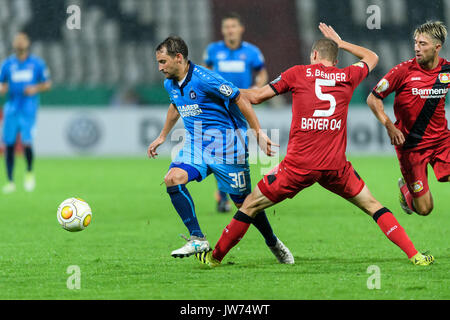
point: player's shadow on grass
(300, 262)
(339, 260)
(310, 262)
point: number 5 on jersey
(325, 97)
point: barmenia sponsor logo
(430, 93)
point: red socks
(232, 234)
(408, 197)
(394, 231)
(240, 223)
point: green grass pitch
(125, 252)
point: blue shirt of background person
(20, 74)
(235, 65)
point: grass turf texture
(125, 252)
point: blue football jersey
(20, 74)
(234, 65)
(205, 103)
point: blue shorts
(15, 122)
(233, 179)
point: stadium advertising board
(128, 132)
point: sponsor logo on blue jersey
(226, 90)
(189, 110)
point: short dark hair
(174, 45)
(232, 15)
(327, 49)
(23, 32)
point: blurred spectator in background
(237, 61)
(22, 76)
(126, 97)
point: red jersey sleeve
(391, 82)
(357, 72)
(285, 82)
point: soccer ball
(74, 214)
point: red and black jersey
(320, 98)
(419, 103)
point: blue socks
(262, 224)
(28, 152)
(9, 156)
(223, 196)
(184, 205)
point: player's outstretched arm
(377, 107)
(38, 88)
(246, 108)
(171, 119)
(364, 54)
(258, 95)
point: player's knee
(424, 210)
(173, 179)
(251, 206)
(168, 180)
(251, 211)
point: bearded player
(420, 134)
(208, 105)
(317, 142)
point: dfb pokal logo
(382, 86)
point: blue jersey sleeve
(220, 88)
(207, 56)
(4, 72)
(258, 60)
(43, 73)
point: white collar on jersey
(182, 80)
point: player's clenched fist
(396, 136)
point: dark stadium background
(109, 64)
(130, 29)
